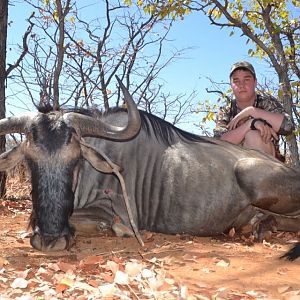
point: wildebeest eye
(71, 133)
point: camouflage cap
(242, 65)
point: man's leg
(253, 140)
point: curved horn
(15, 124)
(88, 126)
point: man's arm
(271, 110)
(221, 130)
(239, 126)
(236, 136)
(273, 118)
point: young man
(251, 120)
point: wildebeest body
(177, 182)
(185, 184)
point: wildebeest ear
(97, 160)
(11, 158)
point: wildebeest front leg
(90, 220)
(270, 185)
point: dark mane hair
(163, 130)
(167, 132)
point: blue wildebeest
(177, 182)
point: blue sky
(211, 58)
(213, 53)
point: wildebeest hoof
(51, 244)
(101, 226)
(121, 230)
(89, 220)
(263, 229)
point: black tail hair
(293, 253)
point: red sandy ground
(167, 267)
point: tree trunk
(286, 88)
(3, 39)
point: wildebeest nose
(49, 244)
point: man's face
(243, 85)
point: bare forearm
(236, 136)
(274, 119)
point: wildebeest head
(52, 150)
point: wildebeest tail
(293, 253)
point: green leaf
(128, 2)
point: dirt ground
(101, 266)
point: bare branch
(25, 47)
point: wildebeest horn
(88, 126)
(16, 124)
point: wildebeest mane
(163, 130)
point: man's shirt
(265, 102)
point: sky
(213, 52)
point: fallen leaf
(47, 276)
(66, 267)
(3, 262)
(67, 281)
(2, 279)
(256, 294)
(203, 297)
(107, 277)
(91, 260)
(86, 287)
(146, 273)
(148, 237)
(188, 257)
(61, 287)
(107, 290)
(202, 285)
(54, 267)
(118, 260)
(153, 260)
(231, 232)
(24, 234)
(267, 244)
(121, 278)
(165, 286)
(282, 271)
(41, 270)
(33, 284)
(222, 263)
(155, 283)
(292, 295)
(207, 270)
(23, 274)
(19, 283)
(112, 266)
(168, 260)
(170, 281)
(58, 277)
(133, 268)
(282, 289)
(94, 283)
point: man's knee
(253, 140)
(253, 137)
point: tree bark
(3, 75)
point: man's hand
(267, 133)
(240, 117)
